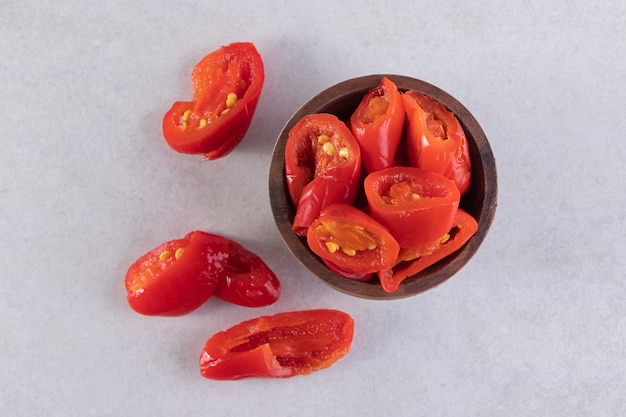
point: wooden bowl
(480, 201)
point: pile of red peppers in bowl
(376, 196)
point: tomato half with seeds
(351, 240)
(436, 140)
(178, 276)
(377, 125)
(415, 205)
(322, 167)
(227, 85)
(246, 280)
(279, 346)
(411, 263)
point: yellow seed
(231, 99)
(372, 246)
(444, 238)
(202, 123)
(415, 196)
(348, 251)
(226, 111)
(179, 252)
(184, 119)
(344, 153)
(332, 247)
(165, 255)
(328, 148)
(322, 139)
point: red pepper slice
(322, 167)
(435, 139)
(227, 84)
(246, 280)
(178, 276)
(318, 194)
(463, 228)
(278, 346)
(348, 273)
(351, 240)
(377, 125)
(415, 205)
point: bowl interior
(480, 201)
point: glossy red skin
(463, 228)
(321, 192)
(348, 273)
(177, 286)
(379, 139)
(364, 262)
(278, 346)
(435, 139)
(415, 223)
(246, 280)
(235, 68)
(313, 184)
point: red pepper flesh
(246, 280)
(278, 346)
(377, 125)
(435, 139)
(178, 276)
(227, 84)
(463, 228)
(415, 205)
(322, 167)
(352, 241)
(316, 195)
(348, 273)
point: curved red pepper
(246, 280)
(415, 205)
(463, 228)
(318, 194)
(178, 276)
(352, 241)
(435, 139)
(279, 346)
(227, 85)
(322, 167)
(348, 273)
(377, 125)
